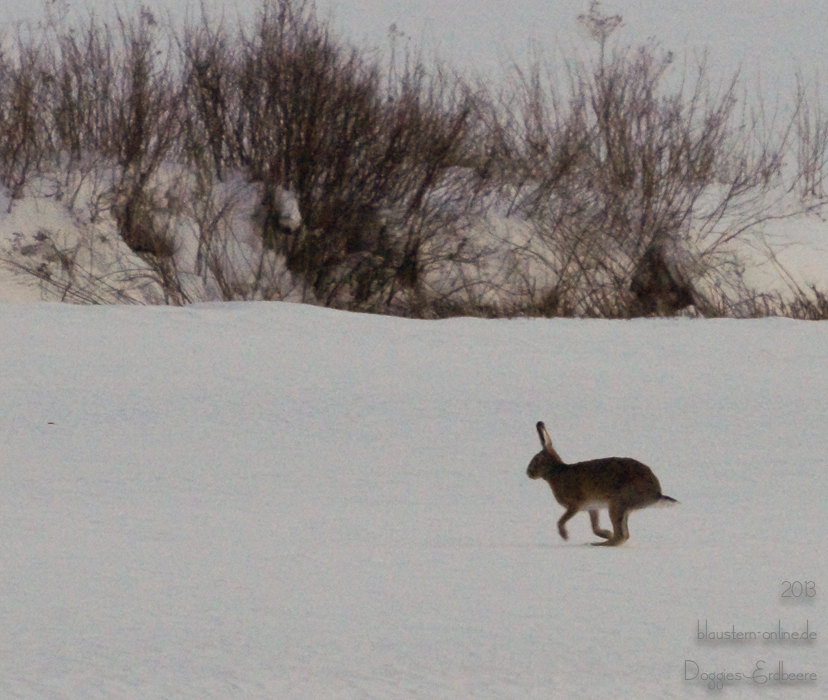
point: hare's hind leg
(620, 533)
(596, 528)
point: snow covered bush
(275, 161)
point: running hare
(618, 483)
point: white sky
(754, 31)
(766, 37)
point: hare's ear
(546, 442)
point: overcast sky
(768, 38)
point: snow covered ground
(271, 500)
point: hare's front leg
(596, 528)
(570, 512)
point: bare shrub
(810, 307)
(84, 66)
(24, 137)
(633, 167)
(307, 115)
(113, 93)
(659, 287)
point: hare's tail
(666, 501)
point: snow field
(281, 501)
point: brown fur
(619, 483)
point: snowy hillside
(272, 500)
(300, 153)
